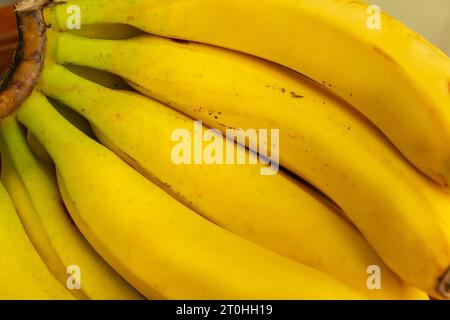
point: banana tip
(444, 284)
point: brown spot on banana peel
(27, 65)
(295, 95)
(24, 72)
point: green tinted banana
(23, 274)
(32, 186)
(75, 118)
(101, 77)
(38, 150)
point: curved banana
(33, 188)
(103, 78)
(322, 139)
(111, 31)
(73, 117)
(37, 148)
(23, 274)
(279, 214)
(389, 73)
(160, 246)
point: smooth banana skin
(23, 274)
(33, 187)
(321, 138)
(101, 77)
(273, 211)
(111, 31)
(37, 148)
(392, 75)
(106, 79)
(161, 247)
(73, 117)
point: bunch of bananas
(93, 205)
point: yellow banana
(160, 246)
(101, 77)
(75, 118)
(389, 73)
(322, 139)
(23, 274)
(37, 148)
(33, 188)
(112, 31)
(279, 213)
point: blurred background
(431, 18)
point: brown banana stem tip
(23, 74)
(444, 285)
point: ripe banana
(37, 148)
(33, 188)
(322, 139)
(160, 246)
(23, 274)
(390, 74)
(101, 77)
(75, 118)
(279, 213)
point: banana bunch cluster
(94, 207)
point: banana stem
(23, 74)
